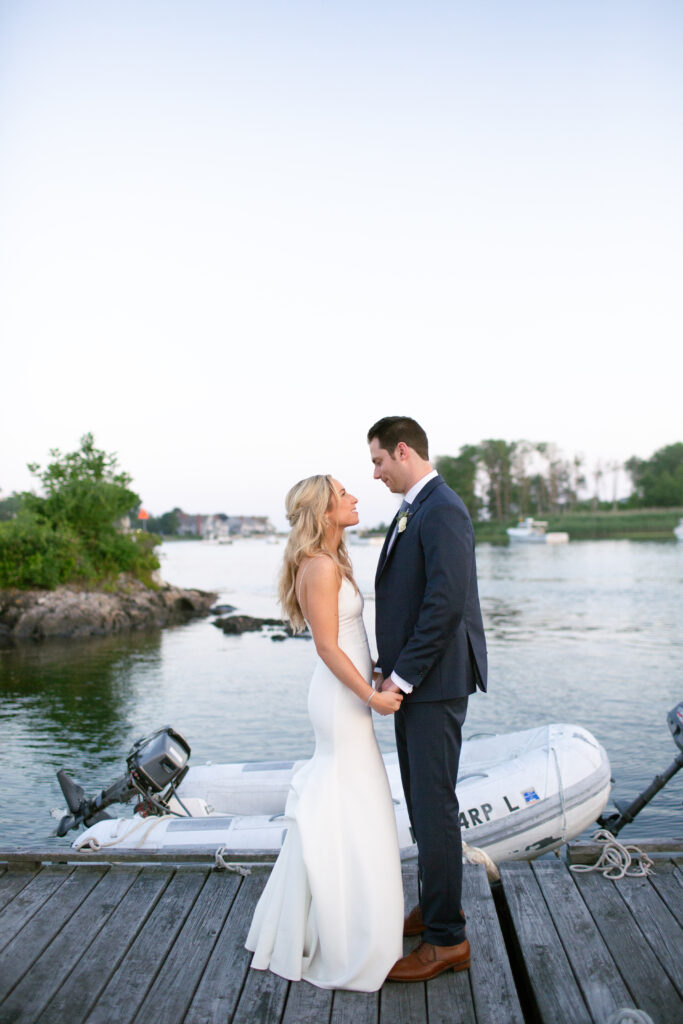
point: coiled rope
(617, 860)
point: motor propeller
(156, 765)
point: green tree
(166, 524)
(460, 473)
(70, 532)
(9, 507)
(496, 460)
(658, 481)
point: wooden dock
(133, 941)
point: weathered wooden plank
(13, 882)
(645, 978)
(216, 997)
(669, 888)
(36, 988)
(493, 987)
(307, 1004)
(174, 985)
(403, 1001)
(87, 979)
(170, 854)
(678, 874)
(657, 924)
(449, 999)
(543, 960)
(596, 973)
(355, 1008)
(262, 998)
(128, 986)
(28, 899)
(46, 922)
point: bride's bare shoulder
(320, 569)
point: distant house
(219, 525)
(246, 526)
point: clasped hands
(391, 694)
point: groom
(431, 645)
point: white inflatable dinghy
(520, 793)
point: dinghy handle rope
(560, 792)
(93, 843)
(220, 864)
(615, 861)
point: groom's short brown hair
(392, 429)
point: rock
(71, 611)
(237, 624)
(222, 609)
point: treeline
(72, 532)
(499, 480)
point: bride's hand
(386, 702)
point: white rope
(93, 843)
(560, 790)
(475, 855)
(220, 864)
(629, 1016)
(616, 859)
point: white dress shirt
(410, 497)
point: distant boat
(678, 530)
(532, 531)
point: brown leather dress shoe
(413, 925)
(426, 961)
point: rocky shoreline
(74, 612)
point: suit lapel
(385, 546)
(385, 554)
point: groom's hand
(387, 685)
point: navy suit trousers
(429, 739)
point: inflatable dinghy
(520, 794)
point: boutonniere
(403, 521)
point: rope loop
(617, 861)
(220, 864)
(89, 843)
(475, 855)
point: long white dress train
(332, 909)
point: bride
(332, 909)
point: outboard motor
(627, 812)
(156, 765)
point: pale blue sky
(233, 235)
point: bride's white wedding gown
(332, 910)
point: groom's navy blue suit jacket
(427, 617)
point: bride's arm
(319, 599)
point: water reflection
(79, 693)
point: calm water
(587, 633)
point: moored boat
(533, 531)
(678, 530)
(520, 793)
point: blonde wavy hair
(307, 504)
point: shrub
(70, 533)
